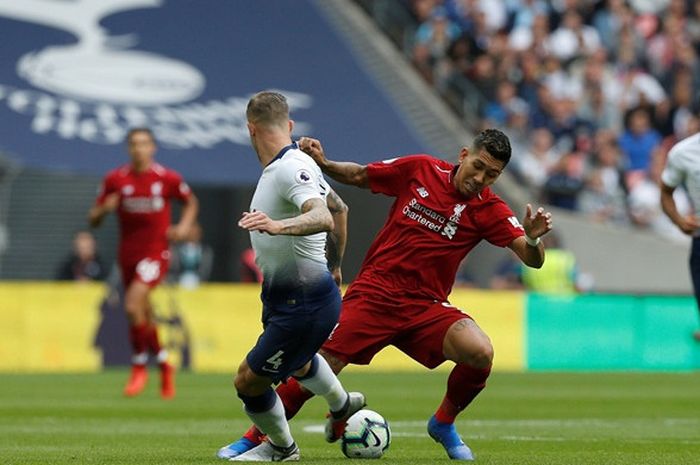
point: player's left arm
(529, 248)
(315, 217)
(188, 217)
(337, 237)
(190, 208)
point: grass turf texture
(538, 419)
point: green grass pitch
(536, 419)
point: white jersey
(683, 168)
(289, 262)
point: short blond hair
(268, 108)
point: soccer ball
(367, 436)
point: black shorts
(293, 333)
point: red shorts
(368, 323)
(149, 270)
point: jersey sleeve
(298, 182)
(109, 186)
(389, 176)
(500, 226)
(673, 174)
(177, 187)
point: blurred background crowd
(592, 93)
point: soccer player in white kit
(288, 221)
(683, 168)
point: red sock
(254, 434)
(463, 385)
(152, 339)
(138, 338)
(293, 397)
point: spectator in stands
(684, 105)
(573, 38)
(534, 165)
(191, 260)
(249, 271)
(83, 263)
(609, 21)
(604, 195)
(639, 140)
(432, 40)
(645, 209)
(558, 275)
(508, 274)
(496, 111)
(565, 181)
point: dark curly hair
(495, 143)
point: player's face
(141, 148)
(476, 171)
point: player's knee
(482, 356)
(132, 310)
(239, 383)
(334, 362)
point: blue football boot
(446, 434)
(235, 449)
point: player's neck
(141, 167)
(269, 147)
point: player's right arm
(315, 217)
(344, 172)
(689, 225)
(672, 176)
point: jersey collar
(284, 150)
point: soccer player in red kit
(141, 193)
(441, 212)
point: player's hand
(337, 276)
(537, 224)
(259, 221)
(313, 148)
(689, 225)
(177, 232)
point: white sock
(324, 383)
(162, 356)
(273, 423)
(139, 359)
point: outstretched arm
(345, 172)
(315, 217)
(529, 247)
(337, 237)
(686, 224)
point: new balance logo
(422, 192)
(515, 223)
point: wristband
(532, 242)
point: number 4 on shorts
(276, 360)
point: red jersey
(431, 227)
(144, 208)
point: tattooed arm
(315, 217)
(337, 237)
